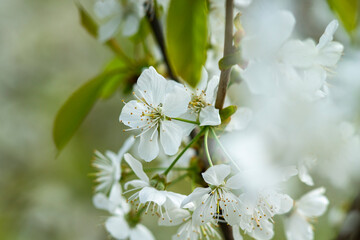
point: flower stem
(223, 148)
(207, 147)
(185, 120)
(194, 140)
(162, 168)
(112, 43)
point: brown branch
(158, 33)
(228, 49)
(223, 84)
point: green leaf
(87, 22)
(113, 82)
(186, 38)
(227, 112)
(230, 60)
(77, 106)
(348, 13)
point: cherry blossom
(158, 100)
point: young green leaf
(87, 22)
(230, 60)
(186, 38)
(225, 113)
(347, 11)
(75, 109)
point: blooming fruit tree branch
(208, 116)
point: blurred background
(45, 55)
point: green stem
(185, 120)
(207, 147)
(112, 43)
(194, 140)
(223, 148)
(163, 168)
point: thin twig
(158, 33)
(223, 84)
(228, 49)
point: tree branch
(228, 49)
(224, 81)
(158, 33)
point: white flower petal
(136, 166)
(330, 54)
(151, 86)
(106, 8)
(186, 127)
(209, 116)
(261, 40)
(140, 232)
(240, 119)
(195, 196)
(299, 53)
(313, 204)
(216, 175)
(236, 181)
(131, 25)
(174, 199)
(242, 3)
(100, 201)
(174, 217)
(328, 35)
(109, 29)
(117, 227)
(136, 184)
(115, 192)
(150, 194)
(286, 203)
(305, 176)
(170, 137)
(297, 228)
(261, 78)
(266, 231)
(205, 211)
(203, 80)
(148, 146)
(131, 114)
(211, 89)
(176, 101)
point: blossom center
(198, 102)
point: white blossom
(203, 99)
(304, 165)
(279, 65)
(261, 200)
(216, 201)
(113, 202)
(311, 205)
(117, 224)
(118, 227)
(188, 229)
(109, 166)
(158, 100)
(146, 195)
(115, 15)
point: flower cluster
(242, 163)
